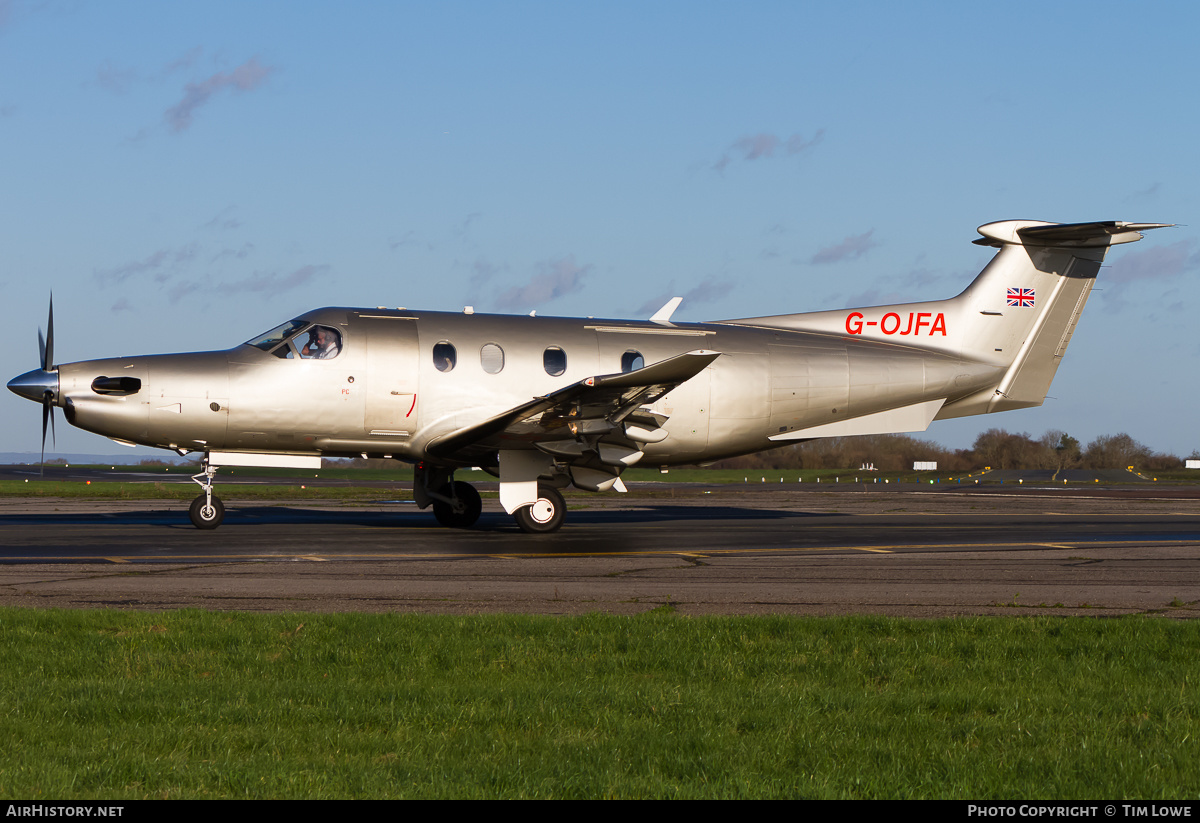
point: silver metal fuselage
(384, 395)
(544, 402)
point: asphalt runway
(767, 549)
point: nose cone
(33, 385)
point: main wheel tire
(466, 513)
(205, 516)
(545, 515)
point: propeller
(46, 350)
(42, 385)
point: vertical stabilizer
(1017, 316)
(1021, 311)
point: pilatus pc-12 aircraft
(545, 402)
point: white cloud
(160, 264)
(1154, 263)
(852, 247)
(249, 75)
(765, 146)
(554, 279)
(708, 290)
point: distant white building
(1191, 464)
(925, 466)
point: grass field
(101, 704)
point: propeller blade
(42, 350)
(45, 417)
(48, 355)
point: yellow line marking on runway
(660, 552)
(995, 511)
(407, 529)
(874, 549)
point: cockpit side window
(277, 335)
(324, 343)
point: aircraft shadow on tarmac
(333, 534)
(401, 518)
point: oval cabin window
(444, 356)
(491, 357)
(632, 361)
(555, 361)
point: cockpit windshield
(276, 336)
(324, 342)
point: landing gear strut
(455, 503)
(207, 510)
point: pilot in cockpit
(323, 344)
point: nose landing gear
(207, 510)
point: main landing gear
(545, 515)
(456, 504)
(207, 510)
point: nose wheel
(207, 510)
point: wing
(580, 419)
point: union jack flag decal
(1020, 297)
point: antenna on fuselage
(663, 316)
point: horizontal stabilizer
(1063, 235)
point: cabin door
(391, 403)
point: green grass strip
(191, 704)
(103, 490)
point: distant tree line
(1055, 450)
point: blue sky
(186, 175)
